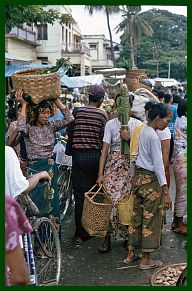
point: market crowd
(94, 138)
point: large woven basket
(134, 84)
(39, 86)
(96, 212)
(125, 208)
(167, 275)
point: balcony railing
(102, 63)
(23, 33)
(75, 48)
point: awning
(89, 80)
(10, 57)
(113, 71)
(70, 83)
(11, 69)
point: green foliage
(167, 44)
(16, 15)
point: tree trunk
(110, 35)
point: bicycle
(42, 247)
(64, 180)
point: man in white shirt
(15, 182)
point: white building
(45, 43)
(100, 51)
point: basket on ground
(168, 275)
(125, 208)
(39, 86)
(96, 212)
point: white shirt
(112, 132)
(162, 134)
(15, 182)
(150, 154)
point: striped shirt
(89, 128)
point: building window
(63, 31)
(66, 36)
(42, 32)
(44, 60)
(93, 46)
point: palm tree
(133, 27)
(108, 10)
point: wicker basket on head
(39, 86)
(96, 212)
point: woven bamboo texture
(96, 212)
(133, 84)
(163, 274)
(39, 86)
(125, 209)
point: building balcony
(102, 63)
(23, 34)
(75, 48)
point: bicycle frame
(29, 257)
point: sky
(97, 23)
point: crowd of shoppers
(94, 143)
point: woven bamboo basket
(125, 208)
(167, 275)
(39, 87)
(96, 212)
(133, 83)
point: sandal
(152, 265)
(78, 241)
(178, 230)
(128, 261)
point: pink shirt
(16, 223)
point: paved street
(84, 266)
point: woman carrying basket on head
(39, 139)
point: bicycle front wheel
(47, 252)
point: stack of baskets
(96, 212)
(39, 86)
(133, 77)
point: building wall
(20, 48)
(99, 50)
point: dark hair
(182, 108)
(167, 97)
(160, 94)
(160, 109)
(41, 106)
(149, 105)
(94, 98)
